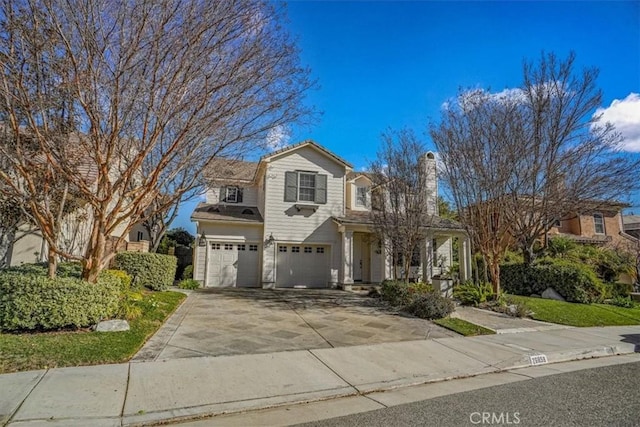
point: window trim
(300, 187)
(595, 223)
(360, 203)
(227, 196)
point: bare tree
(570, 159)
(403, 203)
(519, 160)
(140, 94)
(477, 169)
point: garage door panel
(233, 264)
(302, 265)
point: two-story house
(598, 223)
(299, 217)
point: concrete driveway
(217, 322)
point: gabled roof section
(230, 171)
(355, 175)
(307, 143)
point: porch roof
(363, 218)
(214, 212)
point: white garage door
(302, 265)
(233, 264)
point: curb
(228, 408)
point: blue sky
(384, 65)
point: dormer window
(361, 196)
(231, 194)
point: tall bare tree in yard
(571, 159)
(401, 206)
(528, 156)
(478, 171)
(140, 94)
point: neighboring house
(299, 217)
(631, 225)
(598, 223)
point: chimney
(430, 178)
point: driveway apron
(217, 322)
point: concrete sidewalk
(502, 323)
(147, 393)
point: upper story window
(307, 187)
(231, 194)
(301, 186)
(556, 223)
(361, 196)
(598, 221)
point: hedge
(36, 302)
(154, 271)
(575, 282)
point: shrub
(625, 302)
(395, 293)
(401, 294)
(430, 305)
(188, 272)
(575, 282)
(65, 269)
(469, 293)
(122, 276)
(617, 289)
(189, 284)
(154, 271)
(36, 302)
(620, 301)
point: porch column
(427, 258)
(347, 259)
(464, 255)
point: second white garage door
(233, 264)
(302, 265)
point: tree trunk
(95, 255)
(494, 268)
(52, 261)
(528, 254)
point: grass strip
(463, 327)
(28, 351)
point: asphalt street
(607, 396)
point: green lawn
(21, 352)
(572, 314)
(463, 327)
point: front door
(357, 257)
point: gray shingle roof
(215, 212)
(433, 221)
(226, 170)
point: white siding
(260, 191)
(249, 196)
(286, 224)
(200, 262)
(231, 232)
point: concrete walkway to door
(216, 322)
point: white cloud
(625, 116)
(277, 138)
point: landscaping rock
(112, 326)
(551, 293)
